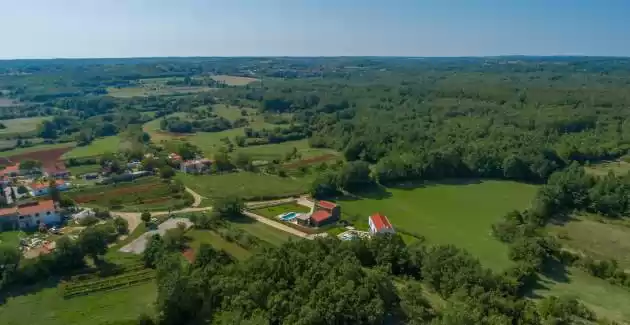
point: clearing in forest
(234, 80)
(597, 237)
(21, 125)
(618, 167)
(460, 212)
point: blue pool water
(288, 216)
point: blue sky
(131, 28)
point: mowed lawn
(247, 185)
(22, 125)
(276, 210)
(458, 213)
(605, 299)
(97, 147)
(47, 307)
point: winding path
(133, 218)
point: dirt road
(133, 218)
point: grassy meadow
(199, 236)
(22, 125)
(618, 167)
(459, 212)
(597, 237)
(234, 80)
(264, 232)
(46, 306)
(97, 147)
(249, 186)
(605, 299)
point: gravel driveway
(139, 244)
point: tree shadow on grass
(242, 219)
(23, 290)
(553, 272)
(372, 192)
(412, 185)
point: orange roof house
(380, 224)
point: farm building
(322, 213)
(89, 176)
(196, 166)
(31, 214)
(87, 212)
(379, 224)
(39, 189)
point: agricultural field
(618, 167)
(274, 211)
(234, 80)
(148, 193)
(97, 147)
(42, 151)
(47, 306)
(154, 87)
(457, 212)
(249, 186)
(21, 125)
(605, 299)
(307, 154)
(599, 238)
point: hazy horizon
(41, 29)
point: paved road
(139, 244)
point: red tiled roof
(320, 215)
(327, 204)
(41, 206)
(10, 169)
(380, 222)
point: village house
(58, 171)
(196, 166)
(11, 171)
(322, 213)
(31, 214)
(39, 189)
(379, 224)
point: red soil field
(310, 161)
(50, 158)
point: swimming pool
(288, 216)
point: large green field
(250, 186)
(264, 232)
(22, 125)
(47, 307)
(234, 80)
(459, 213)
(198, 237)
(97, 147)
